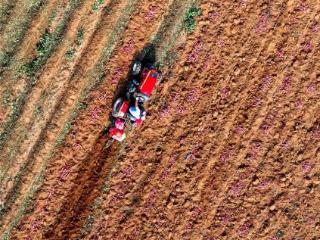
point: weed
(189, 19)
(97, 4)
(83, 106)
(52, 17)
(4, 59)
(38, 110)
(65, 130)
(70, 54)
(6, 98)
(80, 36)
(168, 55)
(279, 234)
(89, 222)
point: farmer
(136, 112)
(117, 132)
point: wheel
(136, 68)
(116, 107)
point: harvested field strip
(283, 173)
(20, 174)
(273, 89)
(265, 138)
(231, 138)
(6, 8)
(285, 138)
(301, 87)
(276, 152)
(195, 76)
(15, 31)
(17, 107)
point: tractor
(143, 80)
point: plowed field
(230, 148)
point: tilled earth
(230, 148)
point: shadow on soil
(93, 170)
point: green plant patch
(190, 18)
(6, 98)
(70, 54)
(80, 36)
(97, 4)
(43, 48)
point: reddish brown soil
(230, 148)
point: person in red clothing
(117, 132)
